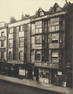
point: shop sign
(22, 72)
(59, 73)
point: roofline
(49, 16)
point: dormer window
(55, 8)
(40, 12)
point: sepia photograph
(36, 46)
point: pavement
(31, 83)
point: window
(21, 56)
(38, 39)
(11, 30)
(54, 41)
(14, 29)
(38, 27)
(10, 43)
(38, 24)
(55, 59)
(55, 56)
(54, 21)
(2, 55)
(19, 28)
(55, 53)
(38, 55)
(25, 27)
(41, 13)
(54, 28)
(2, 43)
(39, 30)
(10, 55)
(33, 28)
(54, 24)
(54, 38)
(21, 42)
(2, 34)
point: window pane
(11, 43)
(11, 30)
(38, 24)
(21, 56)
(38, 39)
(2, 33)
(55, 60)
(54, 20)
(57, 27)
(55, 36)
(2, 43)
(21, 42)
(10, 55)
(38, 55)
(39, 30)
(55, 54)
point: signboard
(59, 73)
(22, 72)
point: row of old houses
(40, 46)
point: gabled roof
(55, 8)
(68, 6)
(40, 12)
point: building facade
(40, 47)
(3, 41)
(49, 44)
(18, 43)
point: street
(11, 88)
